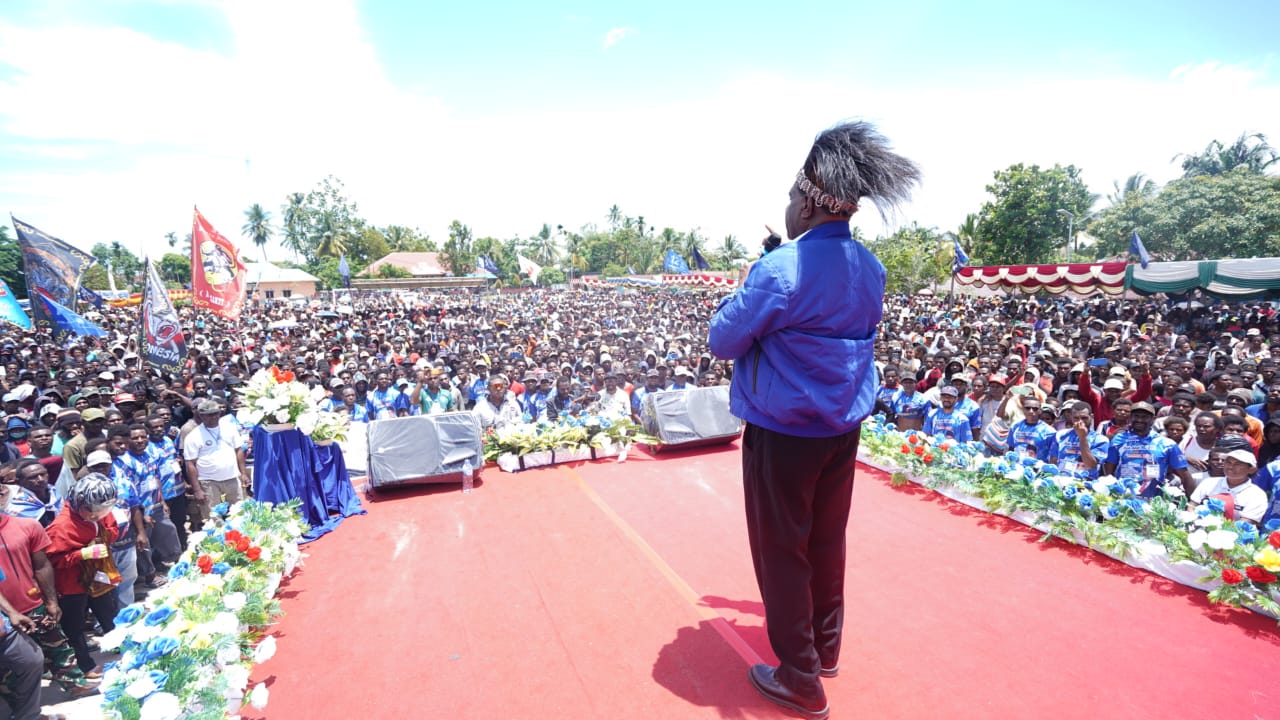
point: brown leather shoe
(94, 674)
(812, 708)
(76, 693)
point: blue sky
(116, 116)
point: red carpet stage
(605, 590)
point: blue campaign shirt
(383, 404)
(885, 395)
(909, 406)
(1067, 449)
(953, 425)
(968, 407)
(1039, 437)
(477, 389)
(1266, 477)
(25, 504)
(127, 499)
(1132, 454)
(141, 472)
(164, 457)
(637, 398)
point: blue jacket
(801, 331)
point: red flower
(1259, 575)
(928, 457)
(243, 544)
(205, 563)
(276, 374)
(288, 376)
(920, 450)
(945, 446)
(253, 553)
(232, 536)
(906, 449)
(1274, 539)
(913, 439)
(1231, 576)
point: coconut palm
(257, 227)
(331, 238)
(615, 217)
(730, 251)
(294, 213)
(1136, 185)
(1248, 151)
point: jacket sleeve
(1087, 393)
(1143, 392)
(756, 309)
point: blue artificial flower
(1011, 455)
(109, 666)
(605, 424)
(1111, 512)
(129, 615)
(1043, 483)
(1130, 486)
(220, 568)
(1272, 525)
(161, 646)
(1028, 461)
(1215, 505)
(158, 616)
(1003, 468)
(222, 509)
(179, 569)
(892, 426)
(131, 661)
(1085, 501)
(1069, 491)
(1116, 488)
(1202, 510)
(112, 694)
(1246, 532)
(1051, 469)
(1138, 506)
(527, 417)
(1028, 475)
(158, 678)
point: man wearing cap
(1142, 455)
(73, 452)
(214, 454)
(428, 397)
(385, 401)
(909, 407)
(1241, 499)
(946, 421)
(652, 385)
(1030, 436)
(801, 331)
(680, 380)
(614, 401)
(1112, 389)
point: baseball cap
(1113, 383)
(1143, 407)
(92, 414)
(106, 375)
(336, 383)
(125, 398)
(948, 390)
(98, 457)
(1244, 456)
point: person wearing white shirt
(614, 401)
(214, 453)
(1249, 500)
(499, 408)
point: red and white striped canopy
(1080, 278)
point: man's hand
(1199, 465)
(1082, 429)
(96, 551)
(23, 623)
(53, 612)
(142, 542)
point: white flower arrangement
(274, 397)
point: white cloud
(615, 36)
(301, 94)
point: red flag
(217, 275)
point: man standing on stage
(801, 330)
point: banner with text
(163, 344)
(217, 275)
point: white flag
(529, 267)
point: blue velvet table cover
(287, 465)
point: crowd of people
(1160, 393)
(106, 467)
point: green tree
(551, 276)
(175, 268)
(1235, 214)
(293, 211)
(257, 227)
(11, 263)
(728, 254)
(914, 258)
(126, 266)
(457, 255)
(1022, 224)
(1250, 152)
(1130, 210)
(393, 271)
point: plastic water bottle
(468, 477)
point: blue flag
(52, 266)
(673, 263)
(344, 270)
(1136, 248)
(65, 322)
(488, 265)
(91, 297)
(698, 260)
(10, 310)
(961, 259)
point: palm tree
(1136, 185)
(1248, 151)
(398, 237)
(257, 227)
(331, 238)
(615, 217)
(730, 251)
(172, 237)
(294, 213)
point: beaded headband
(823, 198)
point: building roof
(257, 273)
(418, 264)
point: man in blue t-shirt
(908, 405)
(946, 421)
(1140, 454)
(1079, 447)
(1030, 436)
